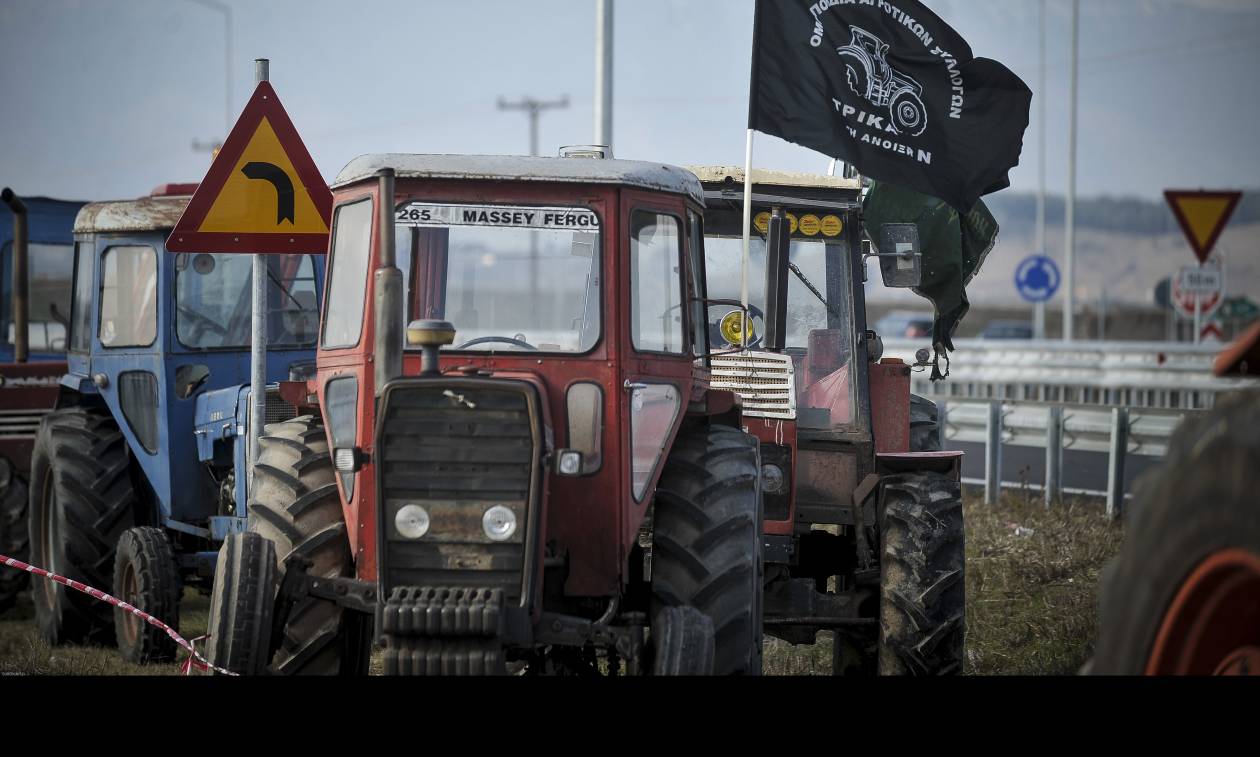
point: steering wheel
(204, 323)
(505, 339)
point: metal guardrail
(1158, 375)
(1119, 432)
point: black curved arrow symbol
(280, 180)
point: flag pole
(744, 263)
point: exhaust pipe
(388, 306)
(21, 277)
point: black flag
(889, 87)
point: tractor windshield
(214, 301)
(819, 327)
(509, 278)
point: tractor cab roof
(723, 184)
(633, 173)
(157, 212)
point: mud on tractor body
(492, 508)
(863, 515)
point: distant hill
(1124, 214)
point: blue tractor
(36, 261)
(138, 474)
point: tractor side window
(347, 276)
(656, 320)
(51, 266)
(128, 296)
(80, 329)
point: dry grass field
(1032, 575)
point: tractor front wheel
(242, 605)
(81, 502)
(146, 577)
(706, 540)
(922, 595)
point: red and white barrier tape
(195, 660)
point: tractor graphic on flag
(871, 77)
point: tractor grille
(457, 448)
(278, 410)
(20, 424)
(763, 380)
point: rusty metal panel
(508, 168)
(890, 405)
(144, 214)
(825, 478)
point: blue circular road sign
(1037, 278)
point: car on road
(905, 324)
(1007, 330)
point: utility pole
(603, 72)
(534, 108)
(1069, 305)
(1039, 310)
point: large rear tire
(14, 541)
(706, 540)
(922, 593)
(1183, 595)
(146, 577)
(81, 502)
(295, 504)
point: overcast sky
(104, 98)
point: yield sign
(1202, 216)
(263, 193)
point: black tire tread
(90, 468)
(295, 504)
(14, 541)
(706, 540)
(158, 592)
(1201, 500)
(922, 592)
(242, 605)
(924, 425)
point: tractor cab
(531, 469)
(152, 332)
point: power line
(534, 108)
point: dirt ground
(1032, 575)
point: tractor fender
(948, 462)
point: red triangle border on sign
(1173, 195)
(263, 104)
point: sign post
(1202, 216)
(262, 195)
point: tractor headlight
(733, 326)
(499, 523)
(412, 521)
(771, 479)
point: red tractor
(491, 507)
(863, 514)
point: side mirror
(900, 260)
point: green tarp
(953, 248)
